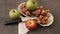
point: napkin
(22, 28)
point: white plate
(50, 19)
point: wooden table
(7, 5)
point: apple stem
(30, 22)
(33, 2)
(14, 11)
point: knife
(20, 20)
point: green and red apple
(14, 14)
(31, 24)
(31, 4)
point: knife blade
(22, 15)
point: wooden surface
(53, 5)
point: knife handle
(12, 22)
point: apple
(31, 4)
(31, 24)
(14, 14)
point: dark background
(7, 5)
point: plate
(50, 19)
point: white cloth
(22, 28)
